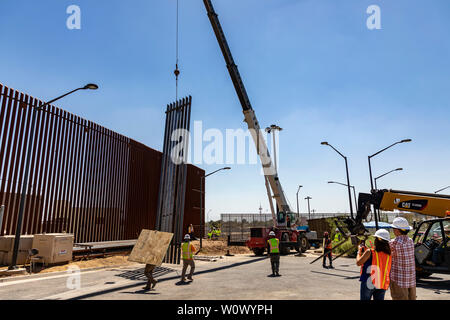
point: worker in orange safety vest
(327, 250)
(375, 267)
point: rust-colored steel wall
(192, 213)
(84, 179)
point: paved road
(237, 277)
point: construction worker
(151, 282)
(210, 233)
(327, 250)
(187, 249)
(337, 235)
(403, 272)
(375, 267)
(273, 248)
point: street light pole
(442, 189)
(298, 212)
(398, 169)
(309, 210)
(354, 191)
(13, 266)
(348, 177)
(370, 172)
(202, 178)
(274, 128)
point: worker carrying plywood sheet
(150, 249)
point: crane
(251, 120)
(288, 238)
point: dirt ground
(218, 248)
(119, 260)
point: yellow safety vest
(274, 245)
(186, 250)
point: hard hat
(271, 233)
(337, 230)
(400, 223)
(383, 234)
(187, 237)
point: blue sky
(312, 67)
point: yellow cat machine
(431, 237)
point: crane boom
(250, 118)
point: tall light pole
(274, 128)
(442, 189)
(348, 177)
(354, 192)
(370, 171)
(309, 210)
(298, 212)
(398, 169)
(202, 228)
(23, 195)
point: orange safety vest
(328, 244)
(186, 250)
(380, 269)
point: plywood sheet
(151, 247)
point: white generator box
(54, 247)
(7, 248)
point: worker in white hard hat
(337, 235)
(187, 250)
(375, 267)
(273, 248)
(403, 272)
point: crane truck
(429, 234)
(288, 237)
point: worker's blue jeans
(367, 293)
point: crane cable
(176, 72)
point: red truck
(289, 239)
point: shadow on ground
(138, 274)
(435, 283)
